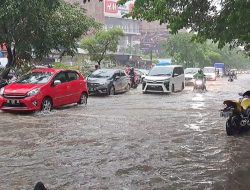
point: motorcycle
(238, 114)
(231, 78)
(199, 85)
(134, 81)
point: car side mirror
(56, 82)
(175, 75)
(117, 77)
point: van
(164, 79)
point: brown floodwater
(128, 141)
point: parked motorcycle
(199, 85)
(238, 114)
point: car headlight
(33, 92)
(1, 91)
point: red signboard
(111, 9)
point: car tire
(112, 90)
(127, 88)
(172, 89)
(83, 99)
(46, 105)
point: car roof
(171, 66)
(54, 70)
(111, 70)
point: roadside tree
(32, 28)
(102, 43)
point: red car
(44, 89)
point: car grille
(155, 82)
(155, 88)
(93, 84)
(14, 96)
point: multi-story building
(111, 15)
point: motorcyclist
(201, 76)
(132, 76)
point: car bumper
(211, 78)
(93, 91)
(26, 104)
(158, 87)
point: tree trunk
(11, 60)
(99, 63)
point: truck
(220, 69)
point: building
(111, 15)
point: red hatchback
(43, 89)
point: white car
(189, 75)
(210, 73)
(3, 62)
(164, 79)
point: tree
(35, 27)
(189, 53)
(224, 21)
(101, 43)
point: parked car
(189, 75)
(108, 82)
(44, 89)
(164, 79)
(210, 73)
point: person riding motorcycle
(132, 76)
(201, 76)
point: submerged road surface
(128, 141)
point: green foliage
(35, 27)
(101, 43)
(228, 24)
(83, 68)
(189, 53)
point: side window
(123, 74)
(181, 71)
(175, 72)
(61, 76)
(72, 75)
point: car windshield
(191, 71)
(102, 74)
(36, 78)
(161, 71)
(208, 70)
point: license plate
(226, 113)
(13, 101)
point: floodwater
(128, 141)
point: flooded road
(129, 141)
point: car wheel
(83, 99)
(46, 105)
(127, 88)
(112, 90)
(172, 90)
